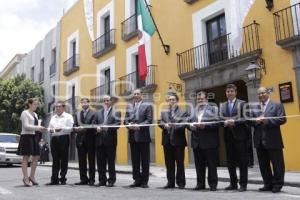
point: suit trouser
(271, 178)
(209, 158)
(106, 156)
(174, 154)
(60, 153)
(237, 155)
(87, 151)
(140, 156)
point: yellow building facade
(93, 67)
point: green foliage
(13, 95)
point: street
(11, 187)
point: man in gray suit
(139, 113)
(268, 140)
(106, 141)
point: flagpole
(165, 46)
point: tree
(13, 95)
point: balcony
(104, 89)
(104, 43)
(71, 65)
(129, 28)
(131, 82)
(52, 69)
(219, 52)
(287, 26)
(72, 104)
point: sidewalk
(254, 177)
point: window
(107, 81)
(42, 69)
(53, 61)
(106, 31)
(217, 39)
(32, 73)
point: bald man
(268, 140)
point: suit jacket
(108, 137)
(271, 130)
(176, 136)
(241, 130)
(84, 135)
(208, 137)
(144, 116)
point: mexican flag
(146, 29)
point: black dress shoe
(181, 187)
(243, 188)
(276, 189)
(135, 184)
(168, 186)
(100, 184)
(144, 185)
(110, 185)
(81, 183)
(265, 188)
(199, 187)
(52, 183)
(91, 183)
(213, 188)
(231, 187)
(63, 182)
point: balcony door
(138, 83)
(217, 39)
(73, 53)
(107, 82)
(106, 31)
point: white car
(8, 149)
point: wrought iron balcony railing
(71, 65)
(217, 50)
(131, 81)
(129, 28)
(104, 43)
(287, 23)
(52, 69)
(104, 89)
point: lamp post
(253, 73)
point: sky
(23, 23)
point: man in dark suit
(268, 140)
(173, 141)
(205, 141)
(106, 141)
(137, 114)
(236, 134)
(85, 142)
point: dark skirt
(28, 146)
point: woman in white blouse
(28, 145)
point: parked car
(8, 149)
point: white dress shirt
(64, 121)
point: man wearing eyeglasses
(61, 125)
(268, 140)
